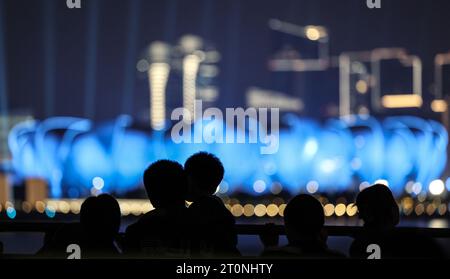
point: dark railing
(19, 226)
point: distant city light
(417, 188)
(191, 64)
(362, 86)
(98, 183)
(439, 106)
(437, 187)
(259, 186)
(312, 33)
(158, 75)
(312, 187)
(402, 101)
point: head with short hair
(205, 172)
(166, 184)
(303, 218)
(377, 207)
(100, 217)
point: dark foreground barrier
(242, 229)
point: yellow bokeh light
(40, 206)
(64, 207)
(249, 210)
(260, 210)
(352, 209)
(439, 106)
(329, 210)
(26, 207)
(362, 87)
(419, 209)
(340, 209)
(125, 209)
(312, 33)
(75, 207)
(431, 209)
(281, 209)
(272, 210)
(402, 101)
(407, 203)
(237, 210)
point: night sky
(81, 62)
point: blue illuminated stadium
(71, 152)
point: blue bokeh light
(11, 212)
(50, 212)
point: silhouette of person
(95, 233)
(304, 219)
(100, 223)
(161, 232)
(380, 213)
(213, 230)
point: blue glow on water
(334, 154)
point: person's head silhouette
(304, 219)
(205, 172)
(166, 184)
(100, 218)
(377, 207)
